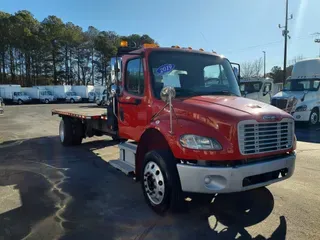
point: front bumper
(302, 116)
(200, 179)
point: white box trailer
(59, 91)
(85, 92)
(40, 94)
(13, 93)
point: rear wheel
(65, 132)
(314, 117)
(160, 182)
(20, 101)
(46, 101)
(72, 100)
(70, 133)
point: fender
(157, 136)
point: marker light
(150, 45)
(124, 43)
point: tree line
(54, 52)
(254, 69)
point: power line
(265, 44)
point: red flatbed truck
(183, 127)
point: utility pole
(286, 36)
(264, 63)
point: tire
(159, 174)
(46, 101)
(314, 117)
(77, 133)
(20, 101)
(65, 132)
(72, 100)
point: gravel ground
(51, 192)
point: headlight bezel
(301, 108)
(194, 143)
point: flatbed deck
(84, 113)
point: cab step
(126, 163)
(122, 166)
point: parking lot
(48, 191)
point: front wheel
(314, 117)
(160, 182)
(20, 101)
(46, 101)
(72, 100)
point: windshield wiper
(225, 92)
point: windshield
(302, 85)
(192, 74)
(250, 87)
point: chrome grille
(255, 137)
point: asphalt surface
(48, 191)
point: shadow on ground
(307, 133)
(71, 193)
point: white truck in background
(13, 93)
(40, 94)
(301, 94)
(260, 89)
(64, 93)
(85, 92)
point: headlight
(198, 142)
(301, 108)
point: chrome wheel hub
(154, 183)
(314, 118)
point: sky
(240, 30)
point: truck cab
(184, 128)
(20, 97)
(301, 94)
(72, 97)
(46, 96)
(258, 89)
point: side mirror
(167, 94)
(113, 91)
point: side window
(214, 74)
(134, 81)
(267, 87)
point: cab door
(132, 112)
(265, 95)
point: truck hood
(234, 108)
(226, 110)
(288, 94)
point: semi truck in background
(260, 89)
(301, 94)
(13, 93)
(39, 94)
(185, 135)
